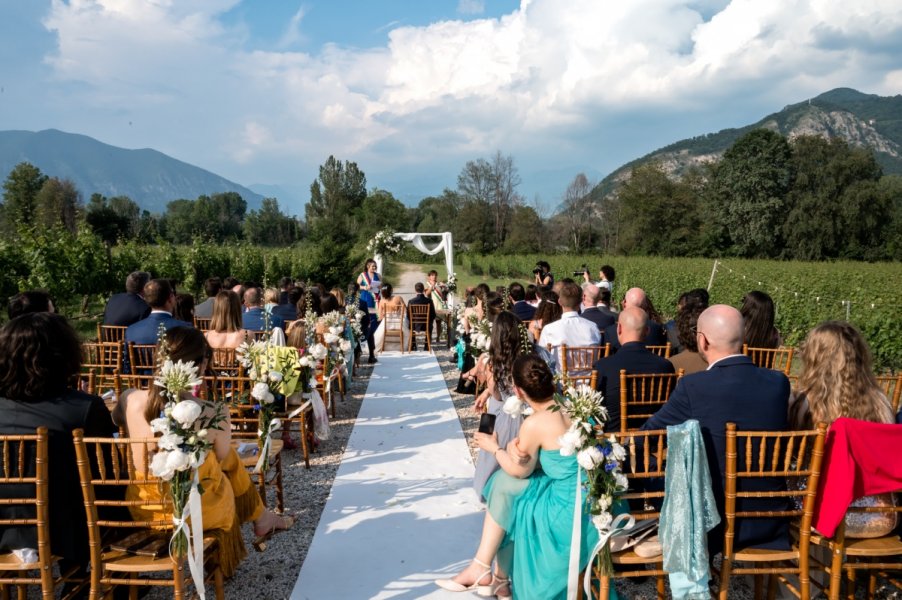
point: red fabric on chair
(860, 459)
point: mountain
(148, 177)
(865, 120)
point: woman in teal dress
(529, 521)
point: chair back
(202, 323)
(579, 360)
(662, 351)
(230, 389)
(419, 314)
(142, 358)
(642, 394)
(778, 359)
(892, 387)
(394, 318)
(103, 360)
(258, 336)
(751, 458)
(133, 381)
(111, 333)
(645, 460)
(86, 382)
(23, 485)
(590, 379)
(225, 360)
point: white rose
(513, 406)
(602, 521)
(177, 460)
(330, 338)
(186, 412)
(170, 441)
(267, 399)
(570, 441)
(260, 391)
(159, 467)
(160, 425)
(275, 376)
(603, 503)
(319, 352)
(345, 346)
(621, 481)
(202, 434)
(589, 458)
(336, 330)
(618, 452)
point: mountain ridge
(147, 176)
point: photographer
(542, 273)
(606, 275)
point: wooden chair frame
(104, 360)
(642, 394)
(418, 314)
(202, 323)
(244, 430)
(662, 351)
(14, 470)
(111, 333)
(646, 458)
(892, 387)
(579, 360)
(780, 454)
(778, 359)
(113, 460)
(142, 358)
(395, 316)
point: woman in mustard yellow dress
(229, 498)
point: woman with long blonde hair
(226, 327)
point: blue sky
(262, 92)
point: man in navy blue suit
(520, 307)
(288, 311)
(161, 297)
(732, 389)
(633, 356)
(128, 307)
(656, 334)
(602, 319)
(254, 317)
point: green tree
(748, 192)
(474, 226)
(270, 227)
(436, 214)
(382, 211)
(57, 204)
(177, 223)
(578, 215)
(526, 232)
(494, 182)
(20, 191)
(891, 188)
(335, 198)
(104, 221)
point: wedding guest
(548, 312)
(226, 329)
(184, 308)
(656, 334)
(229, 497)
(520, 307)
(532, 297)
(285, 285)
(270, 299)
(530, 509)
(355, 302)
(604, 303)
(130, 306)
(161, 298)
(39, 355)
(837, 380)
(212, 286)
(370, 283)
(570, 329)
(688, 358)
(592, 312)
(340, 296)
(31, 301)
(759, 313)
(229, 283)
(289, 311)
(255, 317)
(697, 297)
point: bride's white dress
(392, 343)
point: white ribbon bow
(274, 425)
(194, 536)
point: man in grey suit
(212, 286)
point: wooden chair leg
(302, 428)
(219, 583)
(660, 587)
(280, 498)
(132, 592)
(261, 486)
(872, 584)
(604, 587)
(772, 587)
(725, 572)
(850, 590)
(759, 587)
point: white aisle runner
(402, 511)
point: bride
(390, 305)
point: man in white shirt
(571, 329)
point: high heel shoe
(259, 543)
(480, 588)
(499, 582)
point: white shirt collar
(721, 359)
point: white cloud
(453, 90)
(471, 7)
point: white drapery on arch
(446, 244)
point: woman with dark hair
(226, 328)
(39, 356)
(548, 311)
(530, 509)
(29, 302)
(543, 277)
(184, 308)
(388, 303)
(507, 346)
(532, 297)
(688, 358)
(229, 497)
(370, 283)
(758, 313)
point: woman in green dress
(529, 521)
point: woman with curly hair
(837, 380)
(548, 311)
(507, 345)
(688, 358)
(758, 313)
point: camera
(581, 273)
(537, 271)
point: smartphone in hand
(487, 423)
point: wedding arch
(446, 244)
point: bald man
(732, 389)
(656, 335)
(634, 357)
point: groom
(421, 298)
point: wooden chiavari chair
(646, 458)
(662, 351)
(641, 395)
(132, 381)
(394, 327)
(892, 387)
(752, 456)
(778, 359)
(419, 317)
(104, 360)
(111, 333)
(244, 429)
(577, 362)
(225, 361)
(202, 323)
(104, 463)
(142, 358)
(25, 467)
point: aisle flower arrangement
(384, 243)
(338, 346)
(451, 284)
(480, 336)
(599, 455)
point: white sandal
(500, 582)
(480, 589)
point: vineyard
(805, 293)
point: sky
(263, 91)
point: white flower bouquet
(384, 243)
(599, 455)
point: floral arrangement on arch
(451, 284)
(598, 455)
(384, 243)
